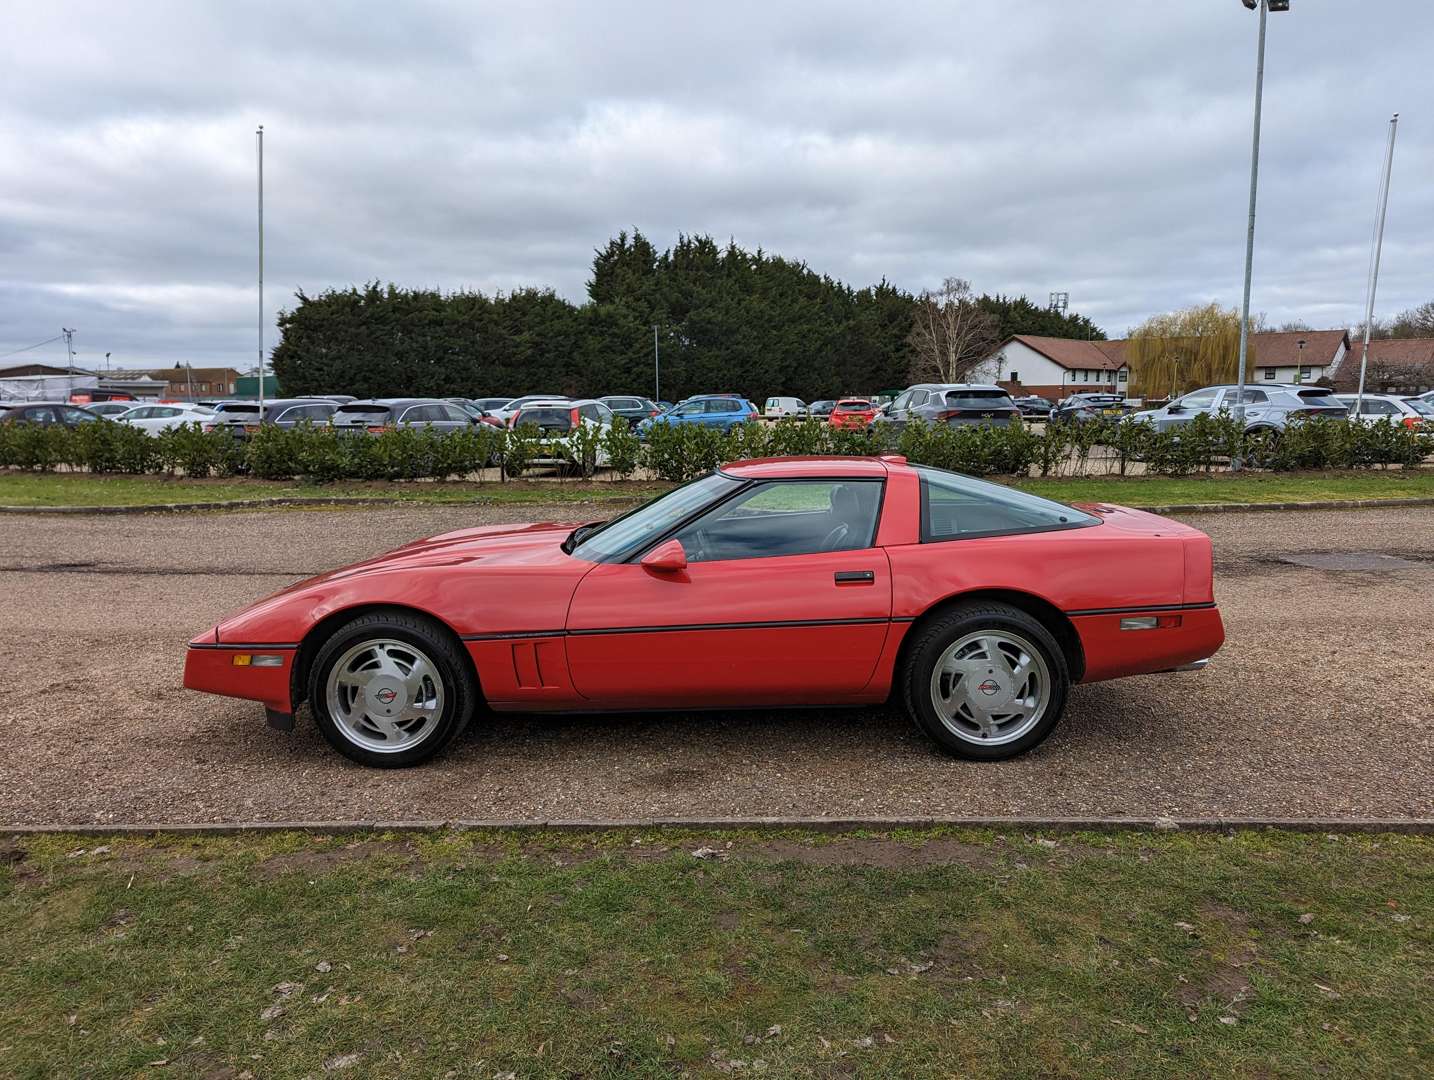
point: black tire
(460, 689)
(935, 636)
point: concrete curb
(1410, 826)
(341, 500)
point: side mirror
(667, 558)
(1175, 406)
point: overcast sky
(1089, 146)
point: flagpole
(1374, 266)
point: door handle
(855, 577)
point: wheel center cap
(990, 687)
(386, 696)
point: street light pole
(656, 367)
(70, 352)
(260, 134)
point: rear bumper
(212, 669)
(1112, 653)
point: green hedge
(681, 452)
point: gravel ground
(1320, 705)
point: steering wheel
(834, 538)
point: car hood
(463, 571)
(494, 544)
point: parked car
(821, 409)
(557, 420)
(1034, 406)
(1268, 407)
(505, 413)
(1428, 396)
(156, 418)
(796, 581)
(778, 407)
(1411, 412)
(632, 409)
(474, 411)
(379, 414)
(110, 410)
(1083, 408)
(710, 410)
(46, 414)
(952, 403)
(853, 413)
(491, 405)
(242, 418)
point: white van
(777, 407)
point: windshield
(624, 535)
(1423, 408)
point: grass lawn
(83, 489)
(946, 953)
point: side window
(146, 412)
(421, 414)
(958, 507)
(42, 415)
(787, 517)
(453, 412)
(902, 400)
(77, 416)
(1201, 399)
(603, 414)
(918, 399)
(1252, 397)
(1379, 407)
(692, 408)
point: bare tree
(951, 334)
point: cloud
(1053, 145)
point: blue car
(710, 410)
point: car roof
(809, 467)
(394, 402)
(956, 386)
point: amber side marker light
(252, 660)
(1150, 622)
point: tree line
(726, 319)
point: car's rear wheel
(391, 689)
(985, 681)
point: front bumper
(212, 669)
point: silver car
(1268, 407)
(1411, 412)
(952, 404)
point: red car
(789, 581)
(853, 413)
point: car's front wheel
(985, 681)
(391, 689)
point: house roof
(1281, 348)
(1275, 348)
(1076, 354)
(1413, 351)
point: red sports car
(853, 413)
(789, 581)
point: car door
(1190, 406)
(784, 600)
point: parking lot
(1321, 704)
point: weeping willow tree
(1184, 350)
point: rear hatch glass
(979, 399)
(853, 406)
(361, 414)
(547, 420)
(237, 414)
